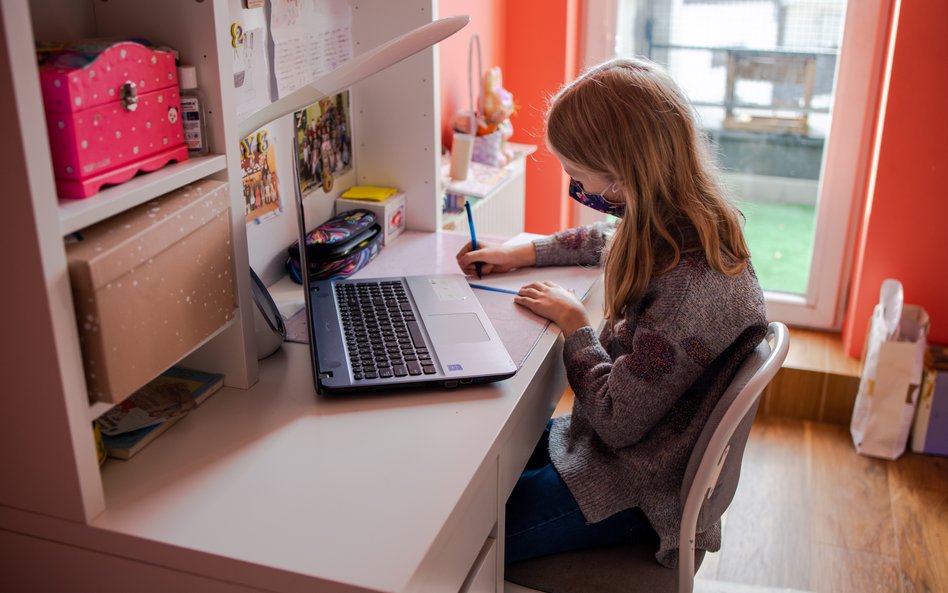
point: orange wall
(535, 42)
(905, 212)
(542, 43)
(905, 216)
(487, 21)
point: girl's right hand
(496, 258)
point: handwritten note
(310, 38)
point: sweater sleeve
(581, 245)
(625, 398)
(655, 358)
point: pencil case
(339, 247)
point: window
(762, 76)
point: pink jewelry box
(112, 110)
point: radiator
(499, 215)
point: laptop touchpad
(455, 328)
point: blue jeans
(543, 517)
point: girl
(683, 308)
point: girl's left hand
(550, 300)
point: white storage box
(390, 213)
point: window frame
(846, 159)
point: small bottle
(192, 112)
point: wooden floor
(810, 514)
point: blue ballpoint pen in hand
(470, 222)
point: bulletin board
(392, 116)
(268, 239)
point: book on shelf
(131, 425)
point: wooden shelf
(817, 382)
(820, 352)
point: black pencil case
(339, 247)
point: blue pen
(470, 223)
(494, 288)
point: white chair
(710, 482)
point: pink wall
(542, 45)
(487, 20)
(906, 211)
(535, 42)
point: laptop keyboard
(383, 337)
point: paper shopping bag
(891, 375)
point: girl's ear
(615, 186)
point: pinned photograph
(323, 134)
(261, 190)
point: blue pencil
(494, 288)
(470, 223)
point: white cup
(461, 152)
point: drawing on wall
(309, 38)
(324, 140)
(261, 190)
(251, 78)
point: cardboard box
(150, 285)
(930, 430)
(389, 212)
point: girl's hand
(496, 258)
(550, 300)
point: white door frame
(845, 171)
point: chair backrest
(715, 464)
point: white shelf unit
(78, 214)
(60, 437)
(55, 486)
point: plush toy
(496, 106)
(492, 120)
(497, 103)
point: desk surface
(277, 487)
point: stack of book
(129, 426)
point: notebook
(407, 331)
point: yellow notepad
(368, 192)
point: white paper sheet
(251, 80)
(309, 38)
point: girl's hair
(628, 121)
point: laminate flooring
(810, 514)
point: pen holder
(461, 152)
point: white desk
(277, 489)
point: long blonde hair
(628, 121)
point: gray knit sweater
(646, 386)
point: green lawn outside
(781, 242)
